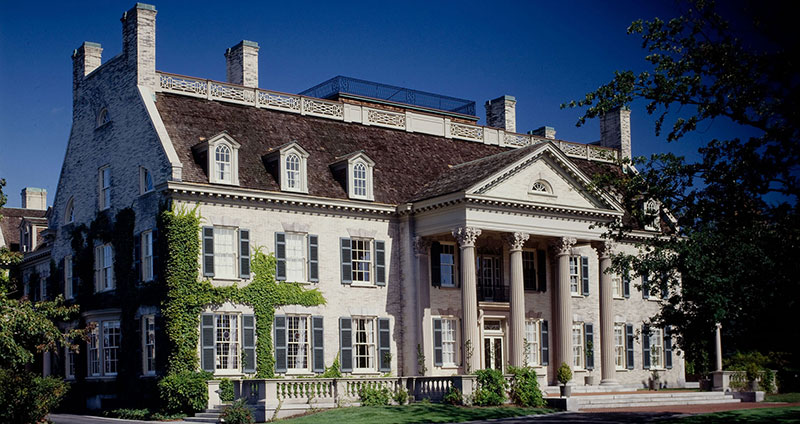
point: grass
(750, 416)
(783, 397)
(414, 413)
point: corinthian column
(466, 237)
(517, 336)
(422, 308)
(609, 368)
(563, 303)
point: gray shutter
(629, 345)
(280, 256)
(667, 348)
(137, 256)
(244, 253)
(208, 251)
(645, 346)
(347, 261)
(545, 344)
(313, 258)
(207, 342)
(437, 342)
(380, 263)
(589, 336)
(436, 264)
(585, 274)
(645, 287)
(346, 344)
(280, 343)
(626, 285)
(541, 269)
(154, 241)
(318, 338)
(249, 343)
(384, 344)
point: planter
(589, 380)
(655, 385)
(566, 391)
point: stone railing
(407, 121)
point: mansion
(440, 246)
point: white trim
(148, 99)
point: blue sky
(543, 53)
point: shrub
(372, 396)
(401, 396)
(767, 382)
(26, 397)
(525, 387)
(226, 390)
(453, 396)
(564, 374)
(128, 414)
(333, 371)
(237, 413)
(491, 388)
(185, 392)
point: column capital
(421, 245)
(605, 249)
(563, 245)
(466, 236)
(516, 240)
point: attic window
(541, 187)
(360, 180)
(69, 212)
(293, 171)
(221, 156)
(651, 215)
(356, 170)
(103, 118)
(222, 162)
(291, 167)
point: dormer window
(292, 172)
(222, 164)
(220, 155)
(288, 164)
(357, 169)
(651, 215)
(359, 180)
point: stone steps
(651, 399)
(209, 416)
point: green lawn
(415, 413)
(750, 416)
(783, 397)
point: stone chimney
(615, 131)
(139, 43)
(546, 132)
(85, 59)
(34, 198)
(502, 113)
(242, 64)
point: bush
(128, 414)
(237, 413)
(26, 397)
(525, 387)
(333, 371)
(401, 396)
(185, 392)
(371, 396)
(226, 390)
(491, 388)
(564, 374)
(453, 397)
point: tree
(8, 259)
(736, 235)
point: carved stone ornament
(466, 236)
(563, 246)
(516, 240)
(421, 245)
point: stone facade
(615, 131)
(242, 64)
(502, 113)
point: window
(104, 180)
(148, 345)
(295, 257)
(69, 212)
(574, 275)
(449, 342)
(222, 161)
(616, 286)
(293, 171)
(447, 265)
(577, 345)
(532, 342)
(220, 156)
(359, 180)
(364, 344)
(619, 346)
(68, 289)
(104, 351)
(656, 348)
(651, 215)
(145, 181)
(540, 187)
(69, 363)
(103, 117)
(298, 347)
(147, 256)
(361, 254)
(224, 252)
(94, 350)
(529, 270)
(357, 169)
(226, 330)
(103, 268)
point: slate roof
(12, 218)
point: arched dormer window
(359, 180)
(357, 168)
(69, 212)
(221, 156)
(103, 117)
(222, 163)
(652, 216)
(292, 171)
(289, 166)
(541, 187)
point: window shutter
(280, 343)
(629, 345)
(207, 343)
(313, 259)
(545, 344)
(585, 274)
(589, 335)
(137, 255)
(626, 286)
(541, 269)
(645, 346)
(667, 348)
(347, 261)
(346, 343)
(249, 343)
(437, 342)
(380, 263)
(318, 339)
(384, 344)
(280, 256)
(244, 253)
(155, 253)
(208, 251)
(645, 287)
(436, 264)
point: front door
(493, 352)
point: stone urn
(566, 390)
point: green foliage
(491, 389)
(333, 371)
(374, 396)
(564, 373)
(525, 387)
(237, 413)
(129, 414)
(226, 390)
(400, 396)
(421, 367)
(184, 392)
(453, 396)
(26, 397)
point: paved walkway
(696, 409)
(90, 419)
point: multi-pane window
(68, 289)
(111, 336)
(616, 286)
(222, 161)
(94, 350)
(147, 256)
(364, 343)
(293, 171)
(224, 252)
(361, 259)
(656, 348)
(69, 363)
(532, 342)
(226, 330)
(103, 267)
(295, 257)
(448, 342)
(529, 270)
(105, 187)
(447, 265)
(574, 274)
(360, 180)
(146, 182)
(297, 342)
(577, 345)
(149, 344)
(619, 346)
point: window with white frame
(222, 163)
(541, 187)
(225, 252)
(103, 348)
(616, 286)
(359, 180)
(226, 330)
(359, 175)
(577, 345)
(619, 346)
(94, 350)
(449, 357)
(103, 268)
(447, 265)
(145, 180)
(296, 257)
(111, 338)
(147, 256)
(532, 337)
(574, 274)
(651, 215)
(361, 254)
(69, 212)
(148, 345)
(364, 344)
(656, 348)
(293, 171)
(68, 289)
(298, 343)
(104, 185)
(69, 363)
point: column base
(609, 382)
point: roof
(12, 218)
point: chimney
(546, 132)
(85, 59)
(615, 131)
(139, 42)
(502, 113)
(242, 64)
(34, 198)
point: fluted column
(609, 368)
(718, 346)
(517, 337)
(422, 310)
(563, 303)
(466, 237)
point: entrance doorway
(493, 344)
